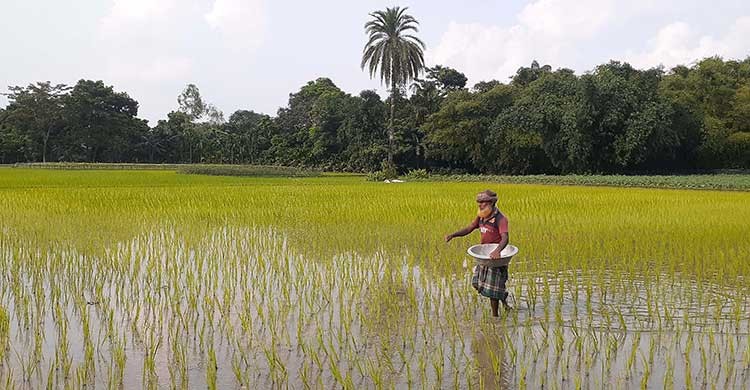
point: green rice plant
(211, 367)
(4, 332)
(353, 277)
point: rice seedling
(4, 332)
(338, 282)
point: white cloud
(151, 70)
(554, 32)
(483, 52)
(677, 43)
(143, 50)
(136, 40)
(241, 22)
(567, 19)
(153, 48)
(127, 15)
(545, 30)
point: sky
(251, 54)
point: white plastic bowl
(481, 253)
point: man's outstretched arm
(462, 232)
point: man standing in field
(493, 225)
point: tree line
(613, 119)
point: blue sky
(250, 54)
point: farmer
(489, 281)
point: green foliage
(550, 118)
(376, 176)
(100, 124)
(457, 134)
(246, 137)
(192, 104)
(364, 133)
(36, 113)
(614, 119)
(388, 170)
(198, 169)
(447, 79)
(525, 76)
(417, 174)
(714, 94)
(15, 145)
(738, 150)
(392, 50)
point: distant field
(205, 169)
(142, 278)
(739, 181)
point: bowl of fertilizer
(481, 253)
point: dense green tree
(36, 114)
(292, 144)
(429, 93)
(525, 76)
(713, 92)
(364, 133)
(101, 124)
(484, 86)
(169, 141)
(327, 116)
(457, 135)
(13, 144)
(426, 99)
(248, 138)
(191, 103)
(551, 113)
(447, 79)
(740, 113)
(632, 123)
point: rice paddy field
(154, 279)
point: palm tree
(394, 52)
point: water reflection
(488, 350)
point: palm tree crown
(397, 54)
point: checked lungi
(490, 281)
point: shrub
(417, 174)
(387, 171)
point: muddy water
(239, 308)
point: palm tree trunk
(44, 149)
(46, 140)
(391, 129)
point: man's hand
(495, 254)
(448, 237)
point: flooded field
(158, 280)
